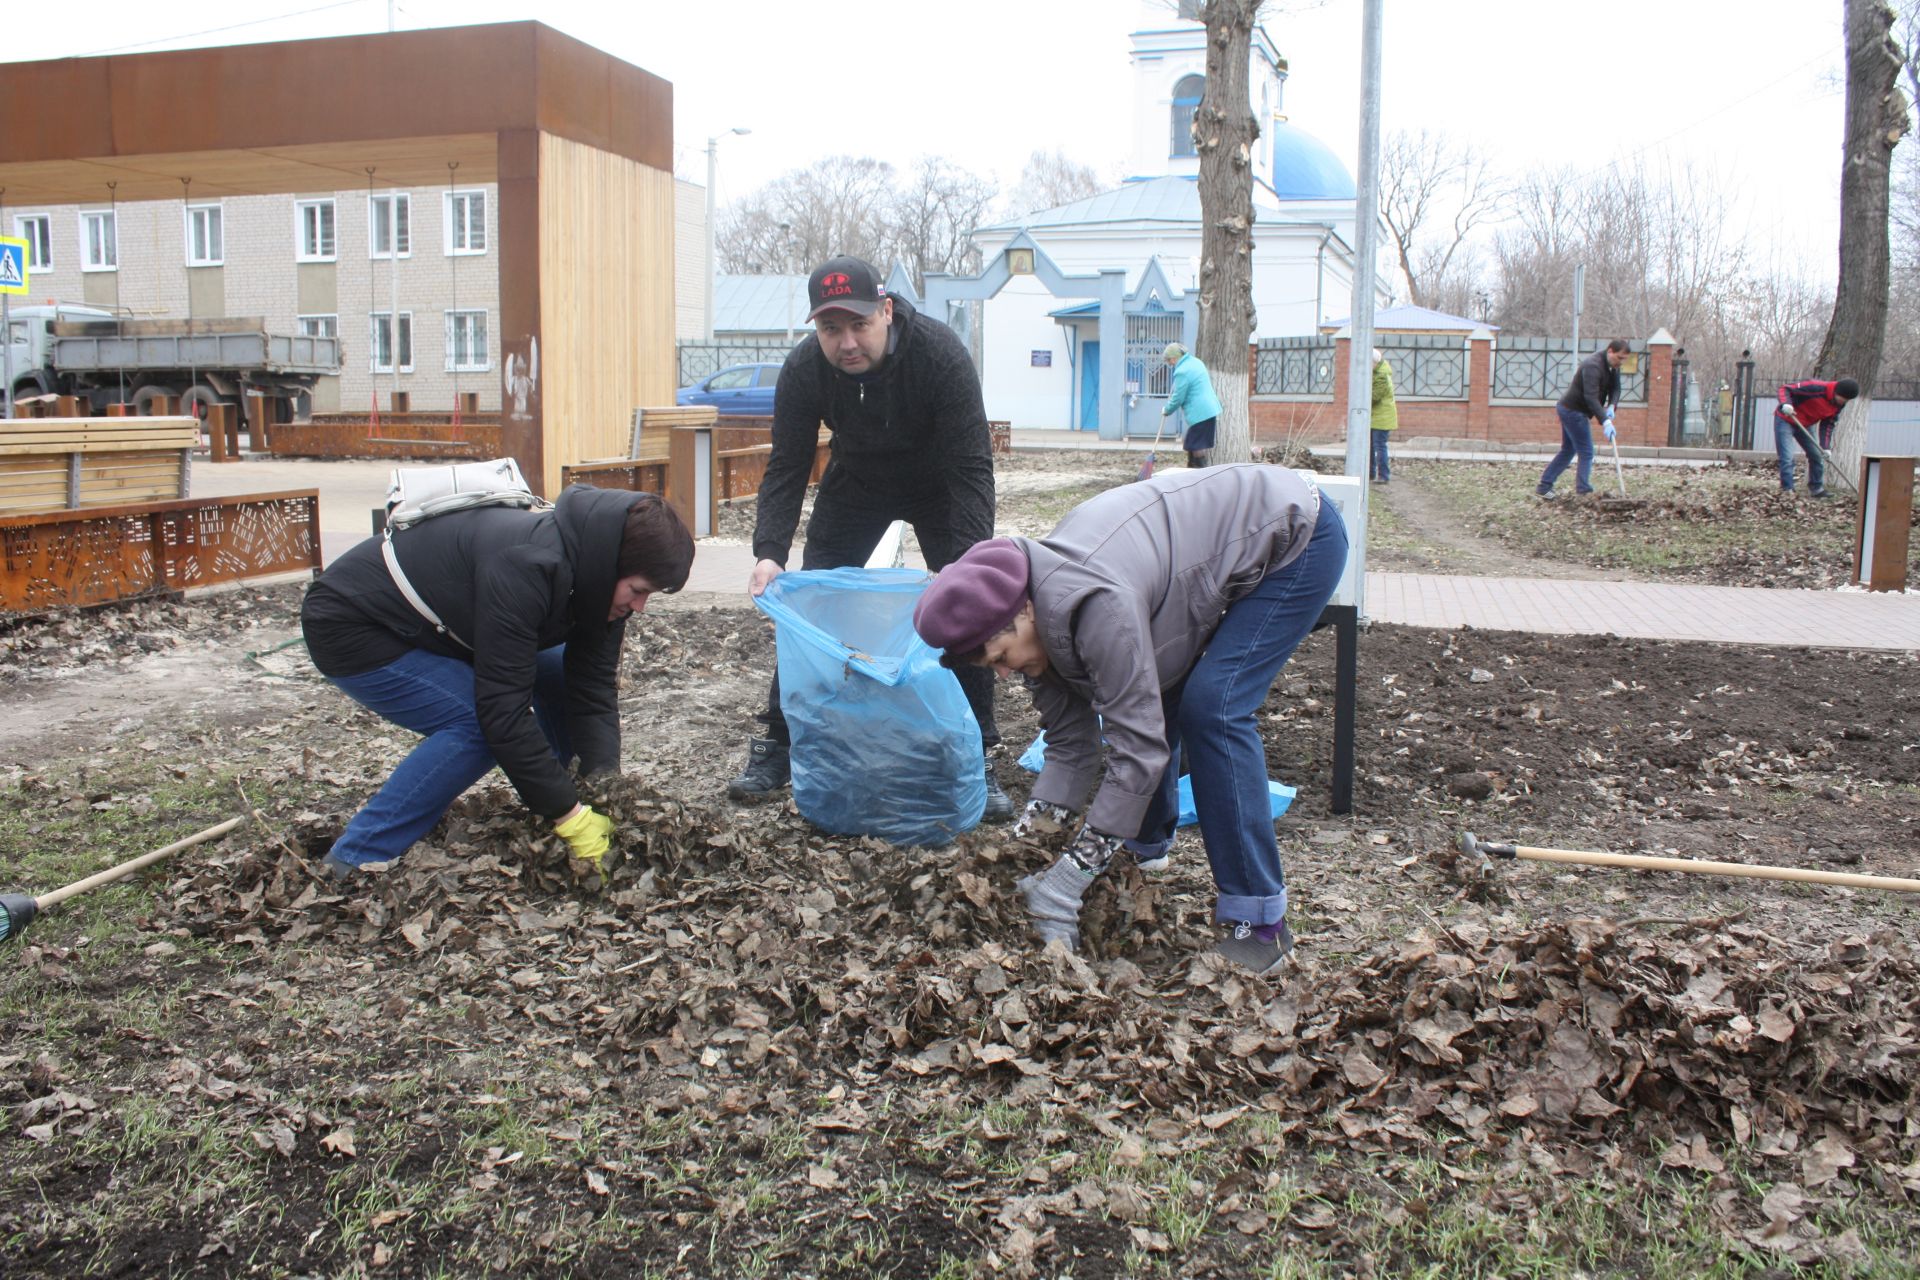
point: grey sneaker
(338, 871)
(1245, 947)
(769, 769)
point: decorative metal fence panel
(1294, 367)
(1431, 366)
(1542, 368)
(1147, 338)
(699, 360)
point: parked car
(740, 389)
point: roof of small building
(759, 304)
(1412, 319)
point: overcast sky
(1749, 92)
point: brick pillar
(1652, 427)
(1341, 347)
(1479, 424)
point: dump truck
(73, 350)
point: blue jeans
(433, 696)
(1576, 438)
(1213, 713)
(1785, 433)
(1379, 470)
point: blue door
(1089, 386)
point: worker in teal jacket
(1192, 393)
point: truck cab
(30, 342)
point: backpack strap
(413, 597)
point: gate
(1148, 334)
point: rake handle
(1693, 866)
(132, 865)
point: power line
(210, 31)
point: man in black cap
(910, 442)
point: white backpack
(421, 493)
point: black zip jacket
(510, 583)
(1595, 385)
(915, 430)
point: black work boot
(999, 805)
(768, 771)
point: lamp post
(713, 153)
(786, 287)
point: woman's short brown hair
(655, 544)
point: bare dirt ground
(758, 1049)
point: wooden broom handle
(132, 865)
(1693, 866)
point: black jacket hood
(590, 522)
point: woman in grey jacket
(1157, 613)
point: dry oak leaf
(340, 1141)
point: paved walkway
(1733, 615)
(1730, 615)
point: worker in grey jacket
(1157, 613)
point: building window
(381, 341)
(319, 326)
(466, 222)
(467, 342)
(1186, 104)
(204, 248)
(98, 252)
(388, 219)
(37, 231)
(313, 231)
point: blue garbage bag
(1279, 794)
(884, 743)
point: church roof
(1145, 200)
(1305, 168)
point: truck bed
(255, 350)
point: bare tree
(1434, 191)
(1876, 121)
(838, 205)
(1050, 180)
(931, 220)
(1224, 134)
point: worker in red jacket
(1805, 405)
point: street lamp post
(713, 152)
(786, 287)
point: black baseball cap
(844, 284)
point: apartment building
(342, 263)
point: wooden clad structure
(580, 145)
(606, 253)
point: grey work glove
(1054, 896)
(1041, 818)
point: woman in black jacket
(520, 673)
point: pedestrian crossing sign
(13, 265)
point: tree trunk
(1876, 121)
(1224, 134)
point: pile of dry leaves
(730, 955)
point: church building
(1041, 353)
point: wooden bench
(56, 464)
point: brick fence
(1321, 419)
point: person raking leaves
(1157, 613)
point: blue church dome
(1305, 169)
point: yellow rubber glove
(587, 834)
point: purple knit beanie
(974, 598)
